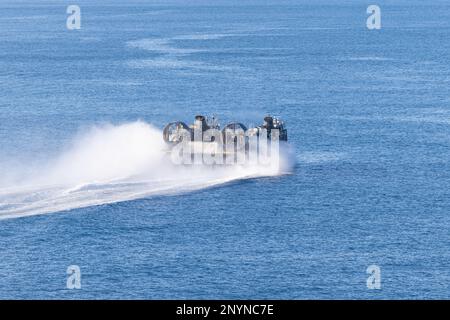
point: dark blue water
(367, 113)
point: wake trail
(111, 164)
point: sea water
(82, 181)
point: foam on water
(163, 46)
(111, 164)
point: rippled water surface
(81, 181)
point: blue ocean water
(367, 113)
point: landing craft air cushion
(205, 136)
